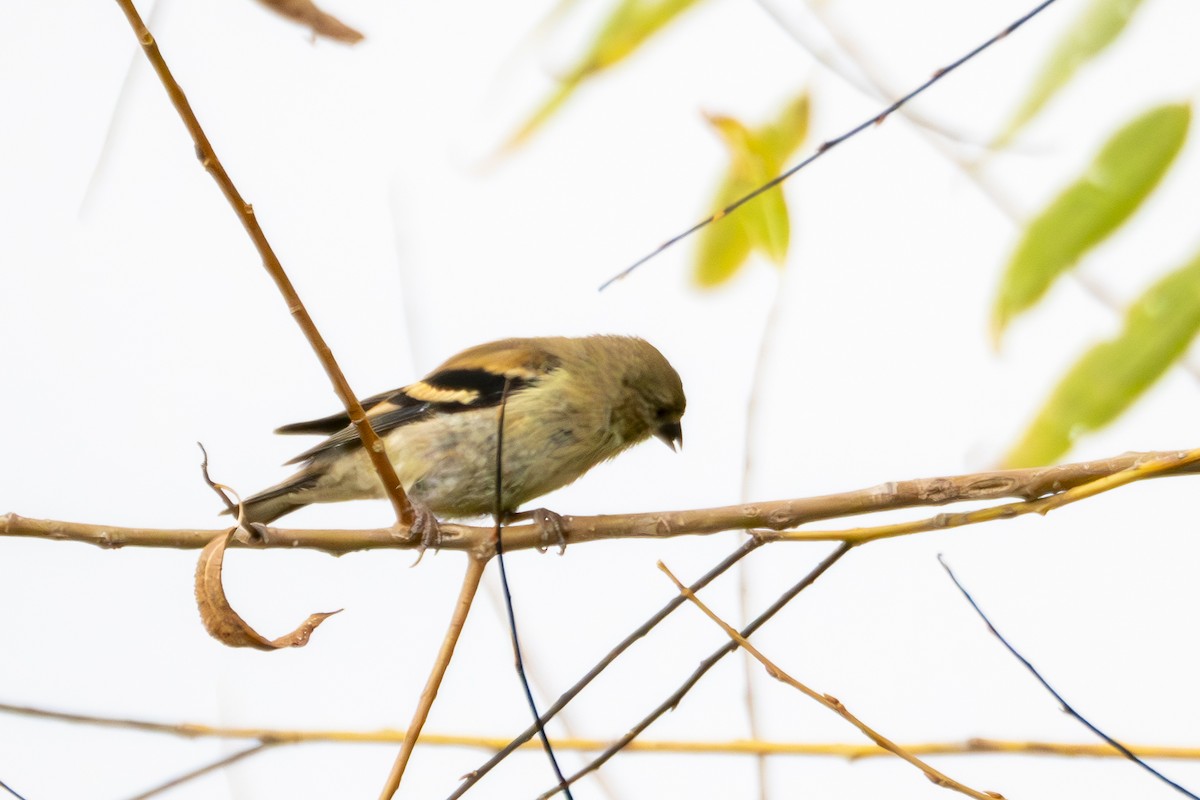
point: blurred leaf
(764, 219)
(1094, 30)
(756, 156)
(720, 250)
(628, 26)
(546, 110)
(1158, 328)
(789, 130)
(1124, 172)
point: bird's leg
(548, 521)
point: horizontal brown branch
(852, 751)
(1023, 484)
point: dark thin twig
(1122, 749)
(10, 790)
(830, 144)
(473, 777)
(707, 664)
(196, 773)
(518, 662)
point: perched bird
(571, 403)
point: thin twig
(1122, 749)
(196, 773)
(245, 212)
(475, 775)
(777, 515)
(567, 723)
(10, 790)
(830, 144)
(518, 661)
(475, 567)
(830, 702)
(863, 83)
(865, 79)
(220, 489)
(677, 696)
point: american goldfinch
(571, 403)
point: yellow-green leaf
(628, 26)
(763, 219)
(787, 132)
(756, 156)
(1094, 30)
(1109, 377)
(766, 220)
(720, 250)
(1123, 173)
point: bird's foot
(550, 523)
(425, 525)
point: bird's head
(653, 399)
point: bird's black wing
(446, 391)
(334, 422)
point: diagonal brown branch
(245, 212)
(636, 635)
(224, 761)
(830, 702)
(475, 567)
(708, 663)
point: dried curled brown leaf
(322, 24)
(218, 616)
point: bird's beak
(671, 435)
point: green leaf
(628, 26)
(756, 156)
(1123, 173)
(1109, 377)
(1094, 30)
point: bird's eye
(662, 413)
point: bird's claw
(425, 525)
(258, 531)
(550, 523)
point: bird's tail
(282, 498)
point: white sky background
(136, 320)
